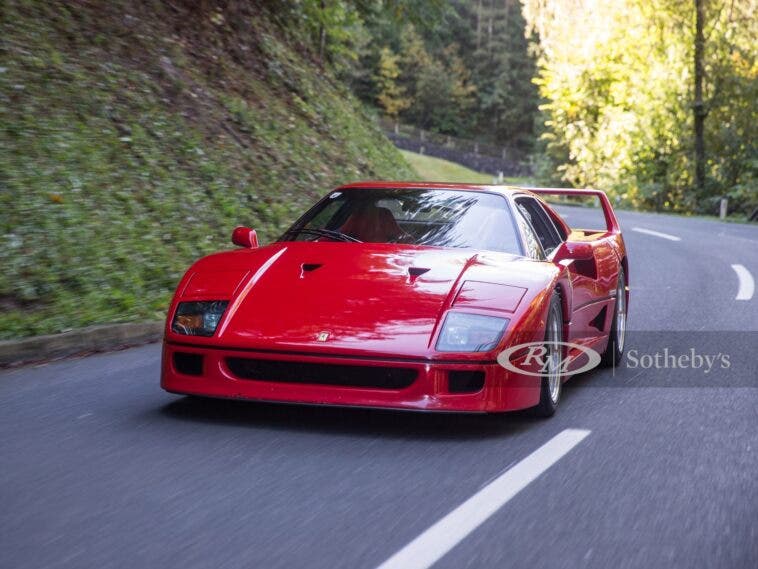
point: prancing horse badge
(323, 336)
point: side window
(533, 247)
(543, 226)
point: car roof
(492, 188)
(384, 184)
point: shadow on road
(351, 421)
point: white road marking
(435, 542)
(656, 234)
(747, 284)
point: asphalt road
(101, 468)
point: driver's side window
(532, 244)
(544, 228)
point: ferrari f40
(405, 295)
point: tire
(552, 382)
(617, 336)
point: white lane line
(747, 284)
(436, 541)
(656, 234)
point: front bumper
(211, 375)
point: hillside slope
(135, 135)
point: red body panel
(376, 314)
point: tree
(461, 82)
(440, 84)
(503, 73)
(699, 111)
(624, 111)
(391, 96)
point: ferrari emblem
(323, 336)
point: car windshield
(434, 217)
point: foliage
(336, 27)
(466, 68)
(391, 95)
(440, 88)
(503, 70)
(134, 136)
(617, 79)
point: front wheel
(617, 336)
(551, 382)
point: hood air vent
(308, 268)
(416, 272)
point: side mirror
(245, 237)
(576, 251)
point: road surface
(101, 468)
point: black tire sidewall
(613, 354)
(546, 406)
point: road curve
(100, 468)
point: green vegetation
(641, 98)
(464, 69)
(134, 136)
(620, 79)
(433, 169)
(457, 67)
(437, 170)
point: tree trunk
(479, 25)
(699, 106)
(489, 27)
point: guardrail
(473, 154)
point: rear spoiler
(610, 218)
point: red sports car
(405, 295)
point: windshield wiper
(336, 235)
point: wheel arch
(625, 265)
(562, 286)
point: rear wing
(611, 222)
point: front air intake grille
(322, 374)
(465, 381)
(188, 364)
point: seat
(372, 224)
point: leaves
(391, 96)
(617, 79)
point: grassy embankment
(135, 135)
(438, 170)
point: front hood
(345, 297)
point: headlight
(198, 318)
(462, 332)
